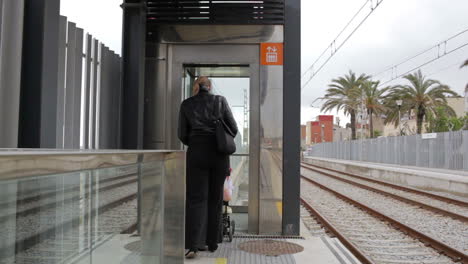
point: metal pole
(292, 118)
(399, 121)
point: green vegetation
(445, 123)
(344, 93)
(423, 97)
(373, 97)
(377, 133)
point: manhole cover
(133, 246)
(270, 247)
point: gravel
(314, 227)
(445, 229)
(459, 209)
(376, 238)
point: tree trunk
(371, 123)
(420, 118)
(353, 124)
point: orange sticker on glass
(271, 53)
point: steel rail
(330, 227)
(453, 253)
(51, 205)
(28, 242)
(48, 194)
(395, 196)
(399, 187)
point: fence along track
(446, 151)
(455, 254)
(399, 187)
(400, 198)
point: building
(341, 133)
(320, 131)
(303, 136)
(466, 99)
(408, 121)
(458, 104)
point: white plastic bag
(227, 189)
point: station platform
(450, 182)
(318, 249)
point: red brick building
(321, 130)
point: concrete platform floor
(319, 250)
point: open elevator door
(234, 71)
(232, 82)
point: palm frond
(464, 64)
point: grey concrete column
(11, 39)
(39, 74)
(133, 73)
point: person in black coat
(206, 168)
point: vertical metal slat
(78, 88)
(87, 91)
(61, 82)
(69, 85)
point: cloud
(395, 31)
(101, 18)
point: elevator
(231, 56)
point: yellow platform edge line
(279, 207)
(221, 261)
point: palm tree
(372, 99)
(422, 96)
(344, 94)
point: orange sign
(271, 53)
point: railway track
(376, 237)
(52, 225)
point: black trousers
(206, 172)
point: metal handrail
(20, 163)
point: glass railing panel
(151, 210)
(44, 218)
(240, 180)
(174, 208)
(113, 219)
(92, 215)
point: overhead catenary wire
(446, 68)
(440, 45)
(339, 34)
(333, 48)
(425, 63)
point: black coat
(197, 115)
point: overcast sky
(398, 29)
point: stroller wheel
(232, 228)
(230, 234)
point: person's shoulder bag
(224, 136)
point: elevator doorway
(232, 82)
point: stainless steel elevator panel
(167, 66)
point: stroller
(229, 226)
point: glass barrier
(91, 207)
